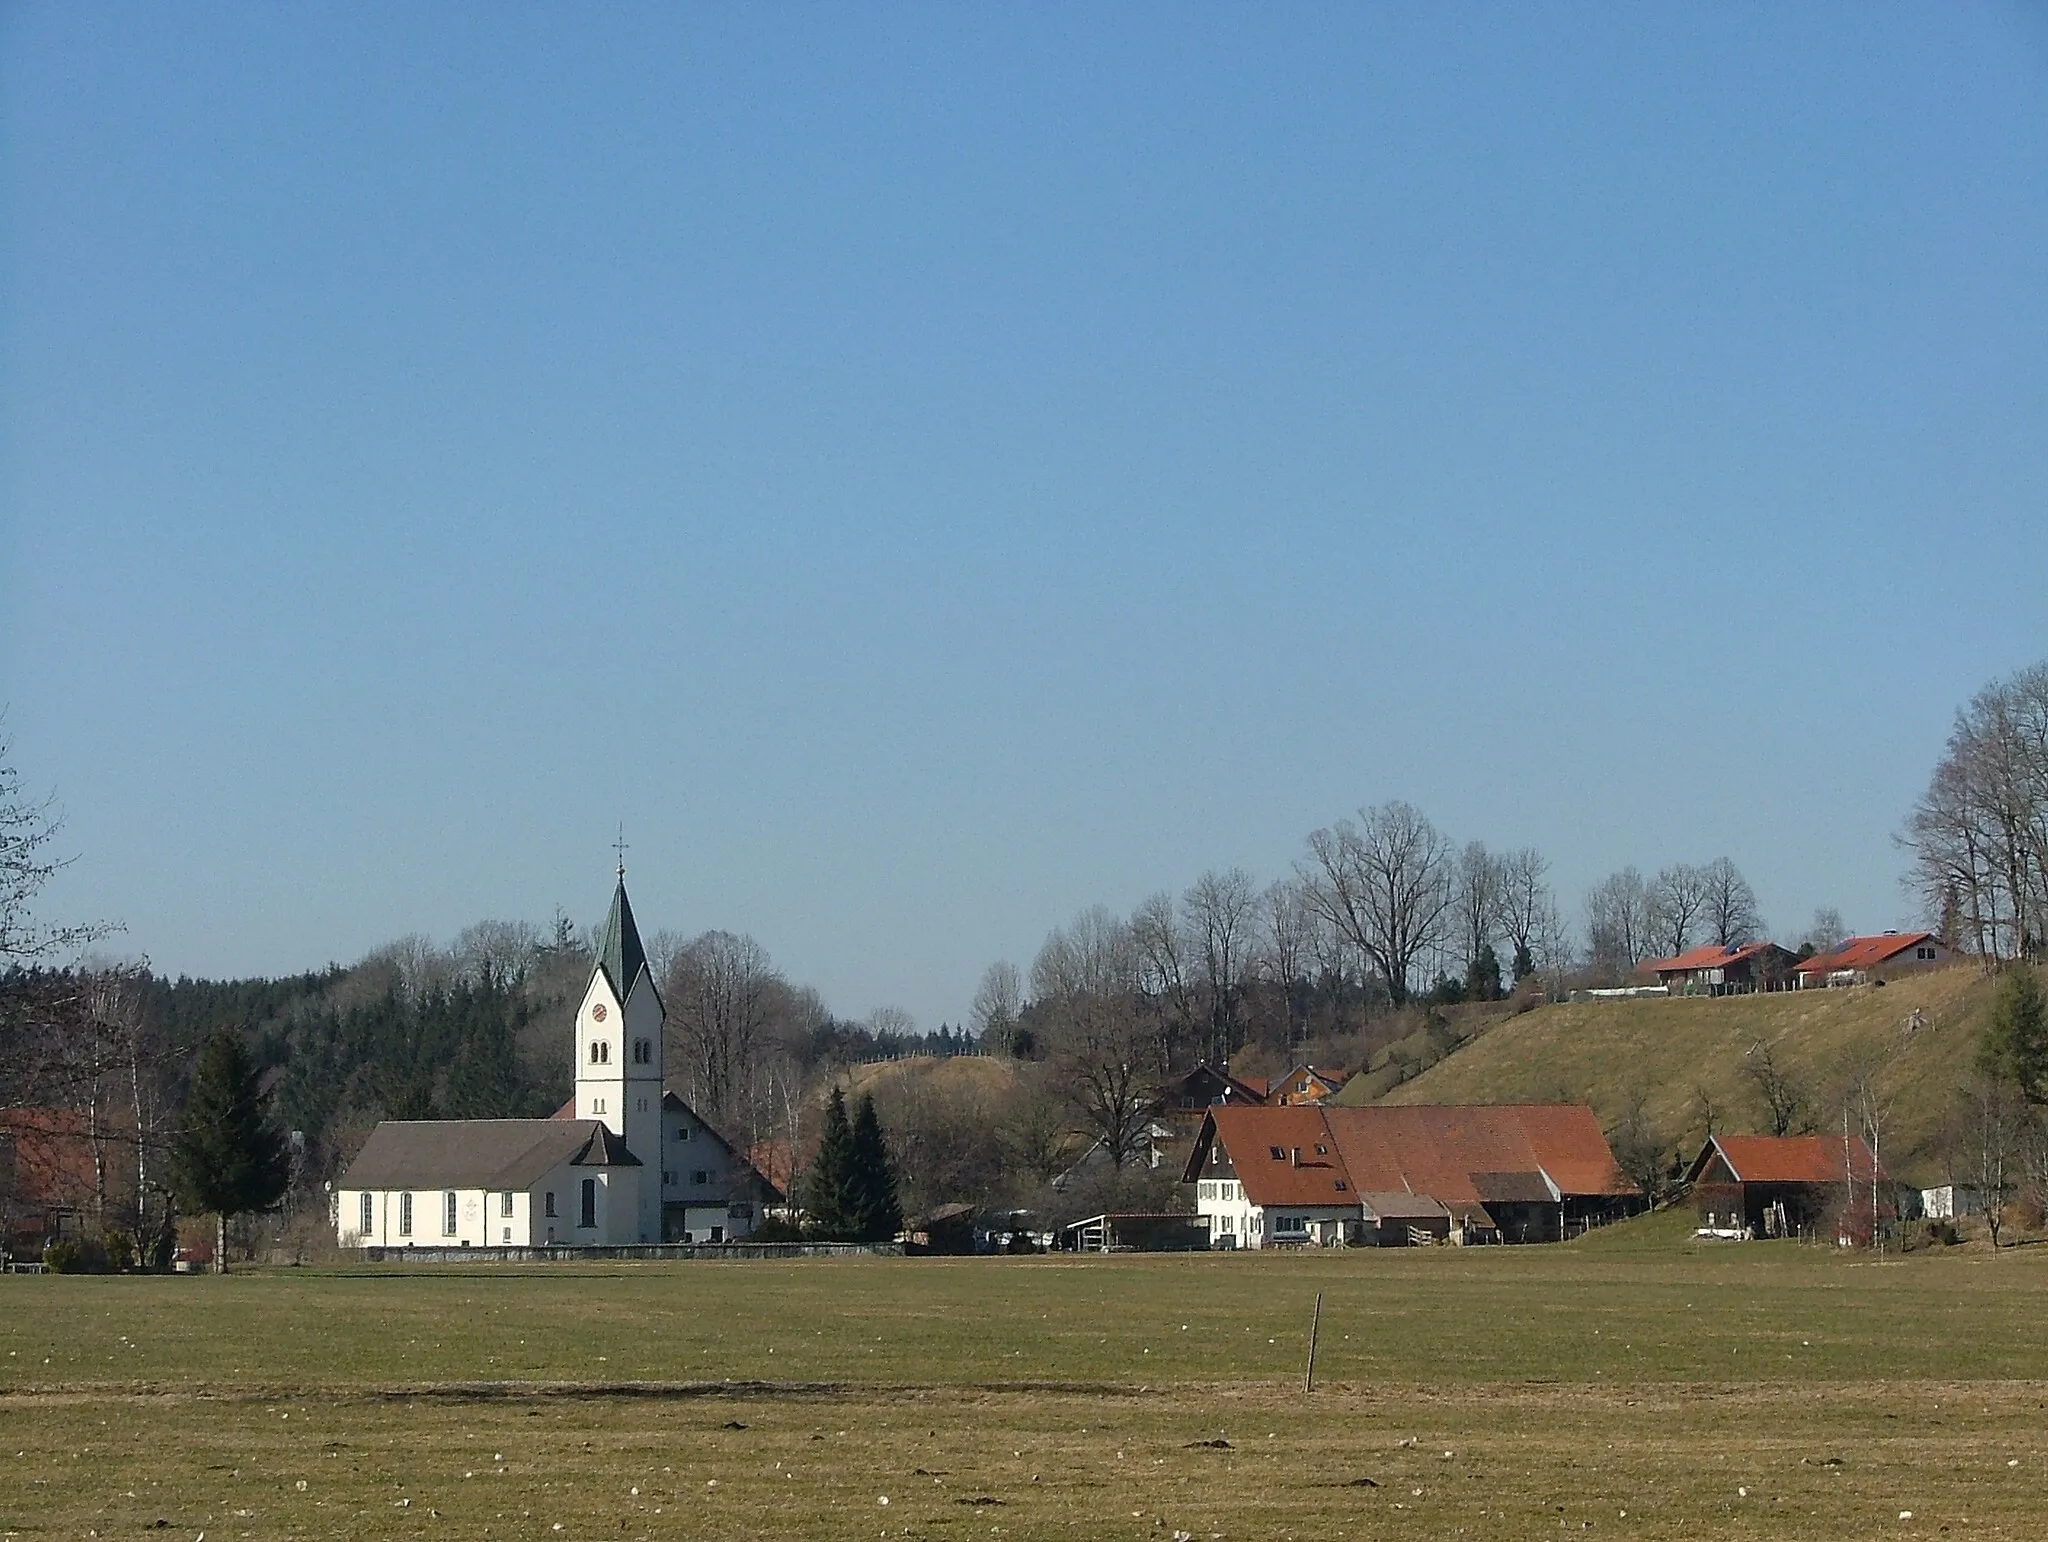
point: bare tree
(998, 1002)
(1524, 897)
(27, 863)
(1618, 922)
(1553, 948)
(1730, 914)
(1678, 900)
(1477, 896)
(503, 950)
(1086, 980)
(1288, 951)
(1642, 1150)
(1994, 1119)
(1093, 955)
(1384, 885)
(1221, 917)
(1166, 972)
(1825, 932)
(1979, 835)
(1784, 1096)
(718, 997)
(1035, 1125)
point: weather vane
(619, 846)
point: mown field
(1632, 1385)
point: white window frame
(405, 1214)
(449, 1213)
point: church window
(368, 1212)
(551, 1204)
(505, 1203)
(643, 1052)
(405, 1215)
(600, 1052)
(448, 1213)
(589, 1216)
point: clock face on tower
(597, 1012)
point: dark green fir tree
(228, 1157)
(878, 1215)
(831, 1187)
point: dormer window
(1278, 1154)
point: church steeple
(619, 951)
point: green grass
(1671, 1051)
(1632, 1371)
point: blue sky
(928, 469)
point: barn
(1789, 1186)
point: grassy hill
(1683, 1054)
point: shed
(1789, 1186)
(1137, 1232)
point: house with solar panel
(623, 1162)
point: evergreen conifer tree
(227, 1156)
(2015, 1047)
(832, 1188)
(878, 1215)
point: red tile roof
(1251, 1136)
(1866, 952)
(1818, 1159)
(1437, 1151)
(1710, 955)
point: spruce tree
(2015, 1046)
(832, 1188)
(228, 1157)
(878, 1215)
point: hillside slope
(1682, 1054)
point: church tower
(618, 1052)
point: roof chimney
(1297, 1156)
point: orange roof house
(1321, 1174)
(1307, 1084)
(1715, 970)
(1863, 959)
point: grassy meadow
(1764, 1390)
(1682, 1054)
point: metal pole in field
(1308, 1377)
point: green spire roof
(619, 953)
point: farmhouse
(1320, 1175)
(623, 1162)
(55, 1168)
(1715, 970)
(1861, 960)
(1787, 1186)
(1306, 1084)
(1193, 1093)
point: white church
(625, 1161)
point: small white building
(623, 1162)
(1950, 1201)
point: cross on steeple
(619, 846)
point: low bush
(76, 1255)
